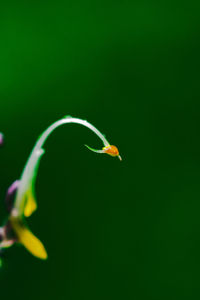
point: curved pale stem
(26, 186)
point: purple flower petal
(7, 236)
(10, 196)
(1, 139)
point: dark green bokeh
(113, 230)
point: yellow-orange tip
(111, 150)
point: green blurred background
(113, 230)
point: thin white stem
(30, 171)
